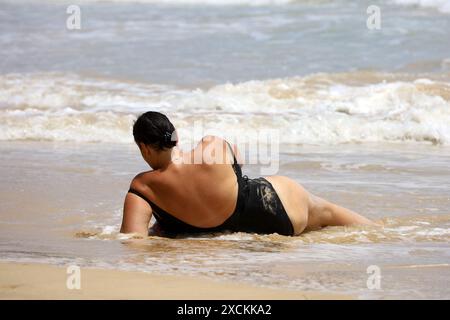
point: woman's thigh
(295, 200)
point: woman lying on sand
(198, 191)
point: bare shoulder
(214, 149)
(142, 181)
(212, 140)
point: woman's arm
(136, 215)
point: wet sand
(71, 214)
(40, 281)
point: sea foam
(441, 5)
(316, 109)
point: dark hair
(155, 129)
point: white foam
(304, 110)
(441, 5)
(199, 2)
(108, 230)
(434, 232)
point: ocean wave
(441, 5)
(317, 109)
(423, 229)
(400, 229)
(199, 2)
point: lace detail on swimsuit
(268, 196)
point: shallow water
(205, 44)
(71, 212)
(311, 69)
(362, 119)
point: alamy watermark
(373, 21)
(374, 279)
(73, 281)
(73, 21)
(252, 147)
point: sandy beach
(40, 281)
(357, 115)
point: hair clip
(167, 137)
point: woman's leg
(309, 212)
(323, 213)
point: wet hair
(155, 129)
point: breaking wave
(317, 109)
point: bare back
(200, 190)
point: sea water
(362, 116)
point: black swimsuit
(258, 210)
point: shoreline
(43, 281)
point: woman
(204, 191)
